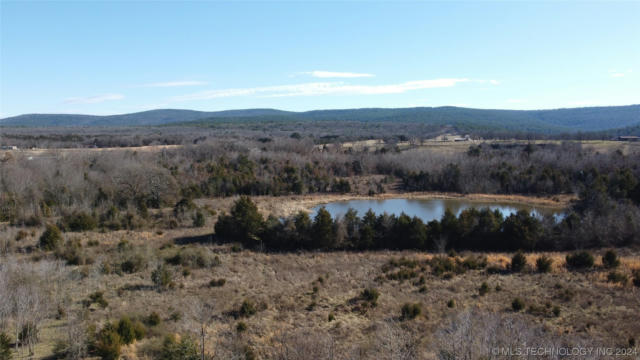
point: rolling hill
(542, 121)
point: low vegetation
(167, 254)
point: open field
(297, 293)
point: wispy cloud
(93, 99)
(494, 82)
(175, 83)
(619, 74)
(322, 88)
(334, 74)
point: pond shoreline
(288, 205)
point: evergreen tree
(245, 224)
(521, 231)
(324, 236)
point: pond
(431, 209)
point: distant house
(465, 138)
(8, 147)
(628, 138)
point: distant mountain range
(543, 121)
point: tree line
(472, 229)
(118, 189)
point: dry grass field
(310, 303)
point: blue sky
(107, 58)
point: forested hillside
(464, 119)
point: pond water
(431, 209)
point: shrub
(51, 238)
(78, 221)
(198, 219)
(217, 282)
(402, 274)
(247, 308)
(5, 347)
(440, 265)
(175, 316)
(517, 304)
(195, 257)
(410, 311)
(475, 262)
(580, 260)
(185, 349)
(21, 235)
(72, 253)
(566, 295)
(636, 278)
(249, 353)
(370, 295)
(556, 311)
(610, 260)
(130, 331)
(32, 220)
(108, 343)
(484, 289)
(241, 327)
(124, 245)
(153, 319)
(617, 277)
(134, 263)
(28, 333)
(162, 277)
(96, 298)
(331, 317)
(543, 264)
(518, 262)
(537, 310)
(451, 303)
(182, 206)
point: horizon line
(329, 109)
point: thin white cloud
(175, 83)
(619, 74)
(93, 99)
(322, 88)
(334, 74)
(494, 82)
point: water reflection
(431, 209)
